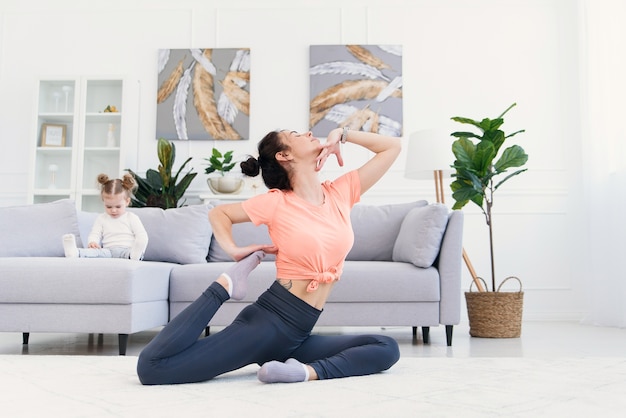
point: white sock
(69, 245)
(230, 284)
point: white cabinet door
(79, 135)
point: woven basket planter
(495, 314)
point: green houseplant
(160, 188)
(219, 163)
(481, 169)
(222, 164)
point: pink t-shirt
(312, 241)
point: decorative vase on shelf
(56, 95)
(225, 184)
(66, 90)
(111, 136)
(53, 168)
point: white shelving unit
(68, 167)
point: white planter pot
(225, 184)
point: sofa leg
(415, 331)
(123, 341)
(25, 336)
(449, 335)
(207, 331)
(426, 334)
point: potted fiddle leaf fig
(161, 188)
(481, 167)
(222, 164)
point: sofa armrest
(449, 265)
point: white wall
(461, 58)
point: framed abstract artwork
(203, 94)
(359, 86)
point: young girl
(121, 233)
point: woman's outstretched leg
(183, 331)
(186, 327)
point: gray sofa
(404, 270)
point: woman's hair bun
(250, 167)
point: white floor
(539, 339)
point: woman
(309, 223)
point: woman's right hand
(332, 146)
(238, 253)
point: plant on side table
(159, 188)
(478, 167)
(222, 164)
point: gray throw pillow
(420, 236)
(376, 229)
(37, 230)
(85, 223)
(244, 234)
(178, 235)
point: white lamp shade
(429, 150)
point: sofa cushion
(376, 228)
(188, 282)
(85, 223)
(87, 281)
(361, 282)
(178, 235)
(386, 281)
(36, 230)
(420, 235)
(244, 234)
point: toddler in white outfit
(115, 233)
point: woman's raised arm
(386, 149)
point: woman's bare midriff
(317, 298)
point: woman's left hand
(330, 147)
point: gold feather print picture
(203, 94)
(358, 86)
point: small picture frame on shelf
(52, 135)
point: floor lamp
(429, 151)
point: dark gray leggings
(276, 327)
